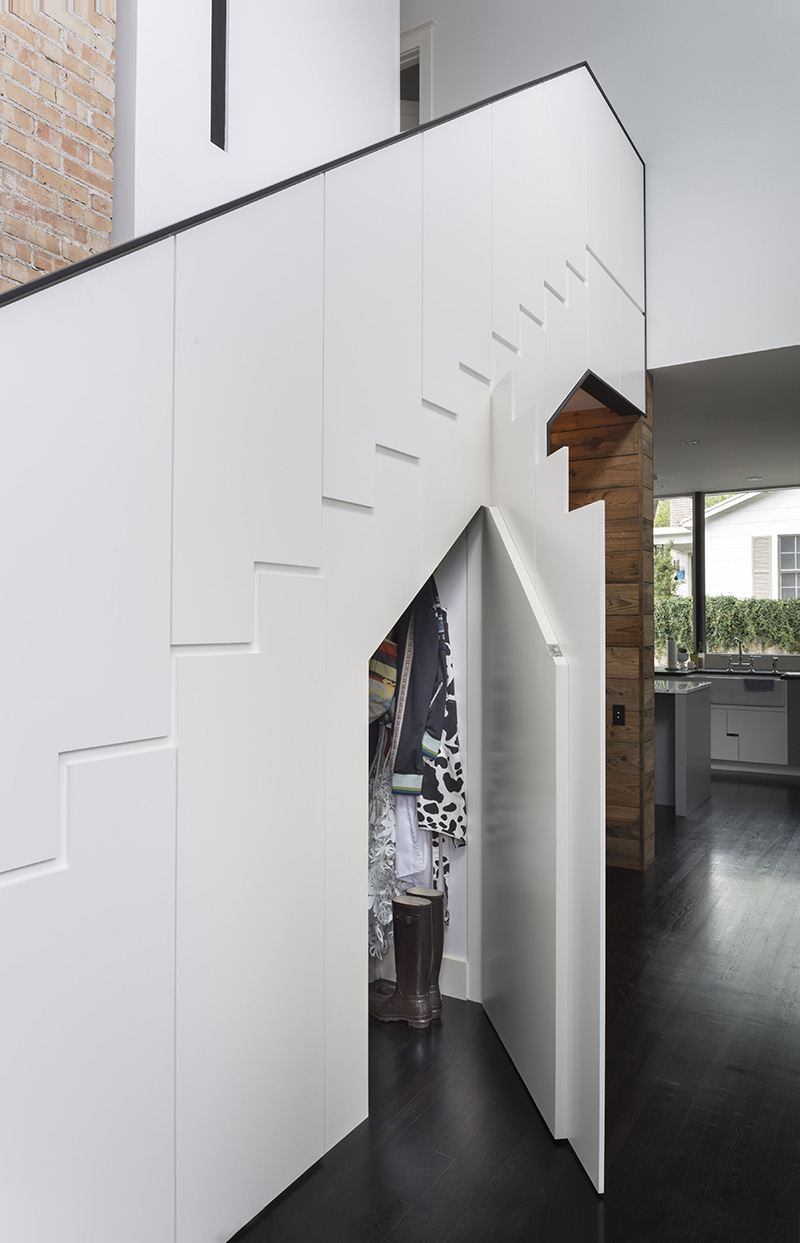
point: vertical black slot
(219, 70)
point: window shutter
(762, 576)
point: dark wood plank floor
(703, 1110)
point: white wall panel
(602, 178)
(567, 342)
(373, 301)
(603, 319)
(248, 408)
(457, 261)
(632, 378)
(250, 911)
(87, 1039)
(84, 499)
(517, 212)
(564, 104)
(526, 835)
(631, 222)
(570, 577)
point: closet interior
(417, 856)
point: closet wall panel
(248, 408)
(457, 262)
(526, 834)
(249, 1040)
(373, 309)
(85, 503)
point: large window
(673, 519)
(790, 566)
(752, 572)
(748, 579)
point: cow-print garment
(442, 805)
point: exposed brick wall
(56, 134)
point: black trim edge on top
(601, 391)
(191, 222)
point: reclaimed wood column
(611, 459)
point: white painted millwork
(279, 595)
(248, 409)
(527, 838)
(373, 210)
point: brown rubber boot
(409, 1002)
(436, 898)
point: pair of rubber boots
(418, 918)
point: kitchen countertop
(678, 686)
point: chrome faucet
(740, 667)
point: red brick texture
(56, 134)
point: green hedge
(760, 624)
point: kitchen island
(683, 742)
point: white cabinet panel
(566, 342)
(517, 212)
(248, 407)
(457, 260)
(564, 100)
(632, 379)
(250, 909)
(525, 855)
(85, 474)
(603, 188)
(575, 605)
(373, 308)
(762, 734)
(603, 299)
(87, 1038)
(631, 222)
(724, 746)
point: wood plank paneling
(605, 472)
(595, 442)
(621, 503)
(623, 598)
(611, 459)
(600, 416)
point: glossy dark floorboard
(703, 1109)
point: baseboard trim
(453, 978)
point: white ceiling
(744, 411)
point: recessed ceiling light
(690, 442)
(754, 478)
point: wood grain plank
(602, 441)
(622, 758)
(623, 662)
(619, 502)
(623, 598)
(624, 566)
(572, 420)
(624, 631)
(607, 472)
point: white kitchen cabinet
(762, 734)
(724, 746)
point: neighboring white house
(752, 545)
